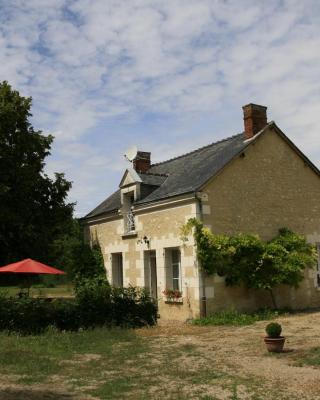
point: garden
(207, 362)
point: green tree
(33, 207)
(78, 258)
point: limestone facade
(266, 187)
(157, 231)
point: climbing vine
(247, 260)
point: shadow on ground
(30, 394)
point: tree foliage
(247, 260)
(78, 258)
(33, 207)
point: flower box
(173, 296)
(170, 300)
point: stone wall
(161, 227)
(266, 188)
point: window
(129, 223)
(173, 278)
(318, 266)
(176, 270)
(150, 272)
(117, 269)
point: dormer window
(128, 216)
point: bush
(93, 299)
(96, 304)
(24, 315)
(66, 316)
(102, 304)
(236, 318)
(273, 329)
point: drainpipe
(203, 299)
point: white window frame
(173, 282)
(176, 266)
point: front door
(151, 273)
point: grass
(40, 291)
(311, 357)
(236, 318)
(36, 358)
(108, 364)
(198, 363)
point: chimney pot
(142, 161)
(255, 119)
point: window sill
(129, 235)
(173, 301)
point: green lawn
(166, 362)
(39, 291)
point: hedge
(96, 304)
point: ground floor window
(173, 269)
(318, 265)
(117, 269)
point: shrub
(273, 329)
(236, 318)
(93, 298)
(66, 315)
(133, 307)
(96, 304)
(24, 315)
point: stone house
(254, 182)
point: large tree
(33, 208)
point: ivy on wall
(245, 259)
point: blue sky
(168, 76)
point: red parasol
(29, 266)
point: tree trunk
(273, 298)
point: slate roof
(112, 203)
(181, 175)
(153, 179)
(187, 173)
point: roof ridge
(152, 173)
(194, 151)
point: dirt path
(240, 352)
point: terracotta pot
(274, 345)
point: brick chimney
(142, 161)
(255, 119)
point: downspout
(202, 289)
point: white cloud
(97, 70)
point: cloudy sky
(168, 76)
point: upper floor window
(130, 225)
(128, 216)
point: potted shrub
(273, 340)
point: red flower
(172, 294)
